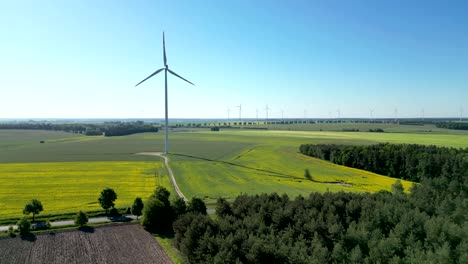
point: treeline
(384, 227)
(453, 125)
(73, 128)
(128, 129)
(404, 161)
(108, 129)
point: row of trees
(108, 129)
(404, 161)
(159, 212)
(384, 227)
(453, 125)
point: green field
(68, 171)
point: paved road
(90, 220)
(166, 163)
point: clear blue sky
(82, 59)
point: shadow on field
(87, 229)
(29, 237)
(268, 172)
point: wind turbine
(229, 111)
(266, 110)
(165, 69)
(256, 116)
(240, 112)
(461, 113)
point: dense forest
(108, 129)
(404, 161)
(453, 125)
(426, 224)
(385, 227)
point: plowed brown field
(127, 243)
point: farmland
(67, 171)
(127, 243)
(65, 187)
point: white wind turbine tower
(165, 69)
(256, 115)
(396, 115)
(371, 112)
(282, 113)
(266, 111)
(240, 112)
(229, 111)
(461, 113)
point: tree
(107, 198)
(397, 187)
(34, 207)
(223, 208)
(137, 207)
(81, 219)
(24, 226)
(179, 207)
(153, 215)
(197, 206)
(162, 194)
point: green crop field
(67, 171)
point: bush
(114, 212)
(81, 219)
(11, 231)
(137, 207)
(24, 226)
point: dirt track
(166, 162)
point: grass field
(68, 171)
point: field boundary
(171, 175)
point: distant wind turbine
(229, 111)
(240, 112)
(461, 113)
(165, 69)
(266, 110)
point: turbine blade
(153, 74)
(180, 76)
(164, 50)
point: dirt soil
(118, 243)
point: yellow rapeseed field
(64, 187)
